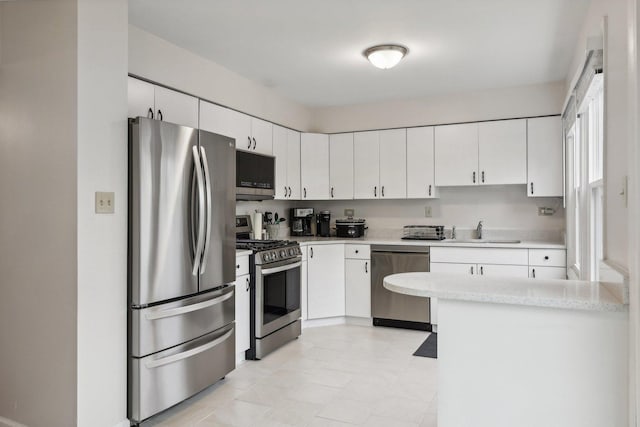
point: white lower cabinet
(358, 287)
(325, 281)
(242, 315)
(547, 272)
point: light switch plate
(349, 213)
(105, 202)
(544, 211)
(428, 212)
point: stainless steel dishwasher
(391, 308)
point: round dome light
(385, 56)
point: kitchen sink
(505, 241)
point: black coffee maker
(302, 222)
(324, 223)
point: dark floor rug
(429, 348)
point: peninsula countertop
(567, 294)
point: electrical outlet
(105, 202)
(349, 213)
(544, 211)
(428, 213)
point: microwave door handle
(201, 225)
(274, 270)
(208, 194)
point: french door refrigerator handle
(186, 354)
(207, 236)
(177, 311)
(201, 225)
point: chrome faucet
(479, 229)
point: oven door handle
(274, 270)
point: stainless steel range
(276, 281)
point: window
(585, 170)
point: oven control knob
(291, 252)
(274, 256)
(265, 257)
(283, 254)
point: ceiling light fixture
(385, 55)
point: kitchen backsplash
(506, 212)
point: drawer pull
(357, 251)
(170, 312)
(546, 257)
(186, 354)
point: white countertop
(243, 252)
(442, 243)
(568, 294)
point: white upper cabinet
(286, 150)
(148, 100)
(456, 153)
(420, 163)
(393, 164)
(366, 165)
(141, 96)
(251, 134)
(262, 136)
(314, 165)
(216, 119)
(544, 157)
(502, 153)
(281, 153)
(341, 166)
(293, 164)
(488, 153)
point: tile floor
(340, 375)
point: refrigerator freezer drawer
(164, 379)
(163, 326)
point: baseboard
(330, 321)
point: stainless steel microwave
(255, 176)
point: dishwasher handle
(414, 249)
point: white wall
(102, 239)
(501, 208)
(616, 117)
(38, 213)
(522, 101)
(158, 60)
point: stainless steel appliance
(324, 224)
(391, 308)
(275, 294)
(255, 176)
(302, 222)
(350, 227)
(181, 263)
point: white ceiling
(311, 51)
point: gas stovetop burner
(259, 245)
(267, 251)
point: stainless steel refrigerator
(181, 263)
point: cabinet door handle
(285, 191)
(249, 146)
(472, 269)
(533, 273)
(482, 176)
(474, 177)
(150, 113)
(254, 143)
(429, 189)
(238, 266)
(375, 191)
(481, 270)
(305, 192)
(546, 257)
(160, 115)
(311, 252)
(357, 251)
(289, 191)
(248, 284)
(332, 192)
(366, 267)
(382, 191)
(532, 188)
